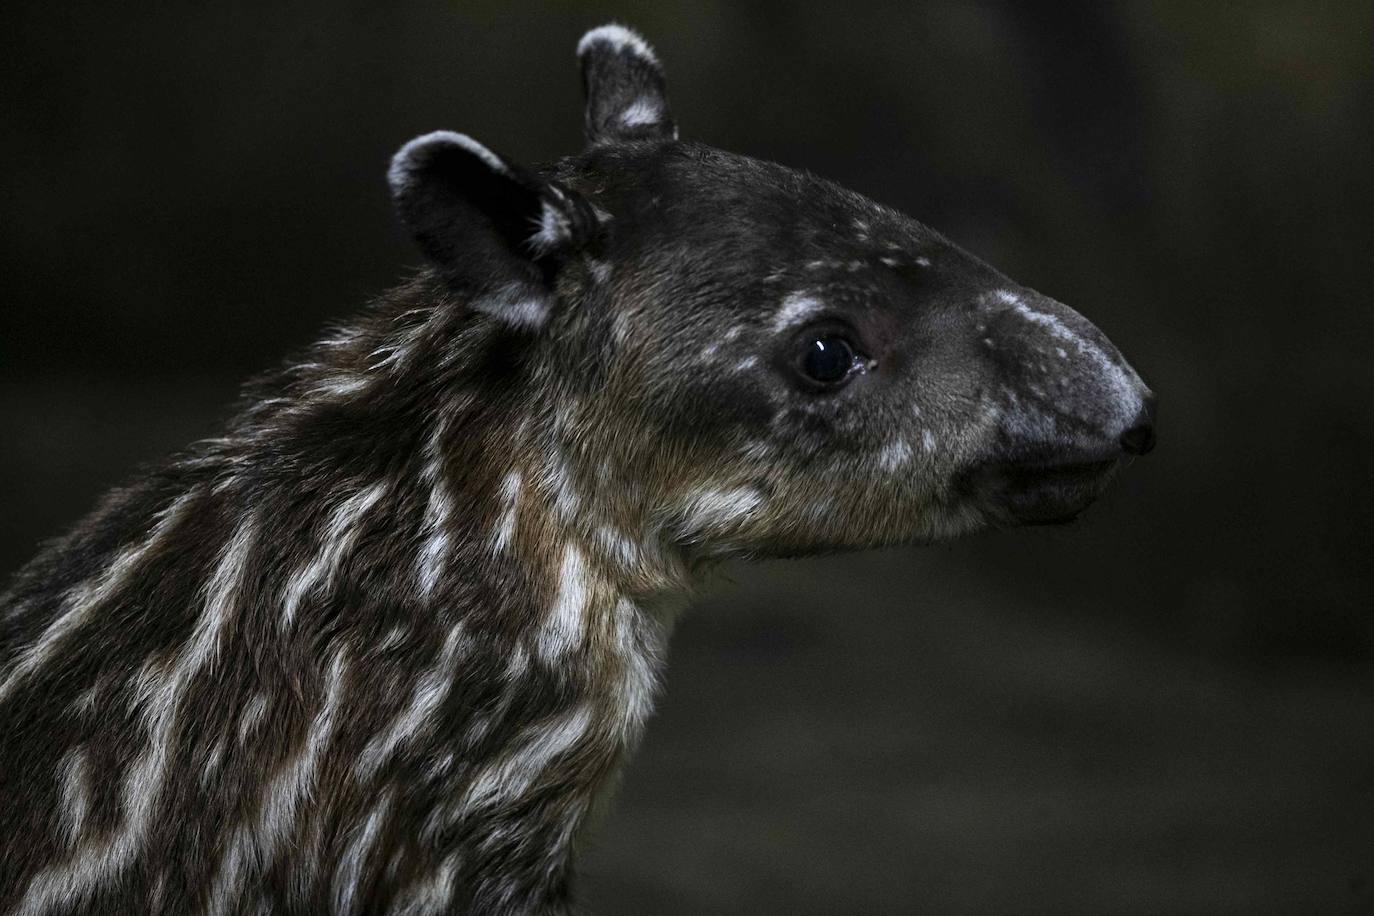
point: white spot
(758, 450)
(601, 270)
(927, 440)
(796, 307)
(86, 597)
(621, 327)
(621, 551)
(553, 229)
(894, 454)
(822, 508)
(510, 499)
(343, 528)
(562, 631)
(890, 262)
(558, 482)
(709, 509)
(442, 766)
(213, 758)
(252, 714)
(431, 689)
(1023, 420)
(434, 894)
(518, 664)
(393, 638)
(519, 304)
(642, 111)
(921, 261)
(564, 415)
(510, 778)
(339, 385)
(158, 892)
(618, 38)
(746, 364)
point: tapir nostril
(1139, 438)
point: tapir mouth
(1040, 491)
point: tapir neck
(360, 653)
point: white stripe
(282, 799)
(431, 690)
(350, 868)
(434, 556)
(513, 776)
(76, 793)
(252, 714)
(563, 627)
(95, 863)
(510, 496)
(342, 530)
(796, 308)
(639, 675)
(90, 595)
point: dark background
(1167, 707)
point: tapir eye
(828, 359)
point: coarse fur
(382, 645)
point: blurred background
(1165, 708)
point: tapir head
(766, 362)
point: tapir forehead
(694, 193)
(702, 238)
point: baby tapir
(382, 645)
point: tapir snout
(1067, 390)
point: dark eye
(827, 359)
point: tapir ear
(623, 80)
(494, 230)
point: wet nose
(1139, 437)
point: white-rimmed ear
(626, 95)
(494, 229)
